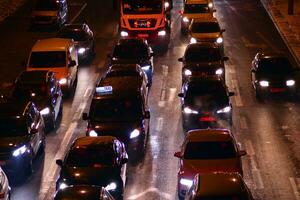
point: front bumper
(151, 36)
(13, 165)
(271, 90)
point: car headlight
(187, 110)
(45, 111)
(264, 83)
(187, 72)
(19, 151)
(111, 186)
(290, 83)
(146, 67)
(93, 133)
(81, 50)
(227, 109)
(210, 5)
(193, 40)
(62, 81)
(135, 133)
(62, 186)
(186, 182)
(167, 4)
(219, 40)
(124, 34)
(219, 71)
(162, 33)
(185, 19)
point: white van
(57, 55)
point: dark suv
(21, 136)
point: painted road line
(248, 44)
(237, 97)
(162, 95)
(172, 94)
(79, 12)
(295, 187)
(243, 123)
(165, 70)
(142, 195)
(87, 93)
(161, 104)
(258, 182)
(249, 148)
(159, 124)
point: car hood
(192, 167)
(215, 63)
(277, 77)
(7, 144)
(198, 15)
(100, 175)
(139, 61)
(44, 13)
(206, 35)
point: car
(99, 161)
(4, 186)
(49, 13)
(205, 151)
(43, 89)
(119, 107)
(203, 59)
(273, 73)
(205, 101)
(130, 70)
(219, 186)
(83, 38)
(134, 51)
(58, 55)
(83, 192)
(207, 30)
(22, 136)
(201, 9)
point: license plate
(277, 90)
(202, 74)
(143, 35)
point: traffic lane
(270, 168)
(16, 39)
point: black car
(21, 136)
(204, 102)
(273, 74)
(43, 89)
(99, 161)
(120, 108)
(134, 51)
(83, 37)
(83, 192)
(203, 59)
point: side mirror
(222, 30)
(231, 94)
(72, 63)
(124, 160)
(180, 59)
(85, 116)
(181, 95)
(178, 154)
(59, 162)
(147, 115)
(225, 58)
(242, 153)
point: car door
(56, 97)
(34, 124)
(73, 57)
(253, 72)
(119, 149)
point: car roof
(52, 44)
(205, 20)
(38, 76)
(215, 184)
(197, 1)
(93, 141)
(84, 191)
(199, 135)
(13, 107)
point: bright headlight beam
(93, 133)
(162, 33)
(19, 151)
(186, 182)
(290, 83)
(146, 67)
(45, 111)
(193, 40)
(227, 109)
(111, 186)
(135, 133)
(63, 81)
(219, 71)
(185, 19)
(187, 72)
(219, 40)
(62, 186)
(264, 83)
(124, 34)
(187, 110)
(81, 50)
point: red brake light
(207, 119)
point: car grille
(142, 23)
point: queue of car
(118, 120)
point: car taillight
(207, 119)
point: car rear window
(275, 66)
(201, 54)
(205, 27)
(47, 59)
(196, 8)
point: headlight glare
(290, 83)
(219, 40)
(187, 110)
(93, 133)
(210, 5)
(135, 133)
(111, 186)
(81, 50)
(45, 111)
(162, 33)
(187, 72)
(124, 34)
(185, 19)
(63, 81)
(219, 71)
(62, 186)
(186, 182)
(193, 40)
(146, 67)
(264, 83)
(21, 150)
(227, 109)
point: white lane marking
(165, 70)
(159, 124)
(79, 111)
(161, 104)
(172, 94)
(163, 95)
(243, 123)
(237, 97)
(257, 179)
(79, 12)
(295, 188)
(87, 93)
(249, 148)
(162, 195)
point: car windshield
(196, 8)
(209, 150)
(206, 95)
(116, 110)
(31, 90)
(83, 156)
(75, 35)
(130, 52)
(13, 127)
(200, 54)
(205, 27)
(48, 59)
(275, 66)
(142, 6)
(44, 5)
